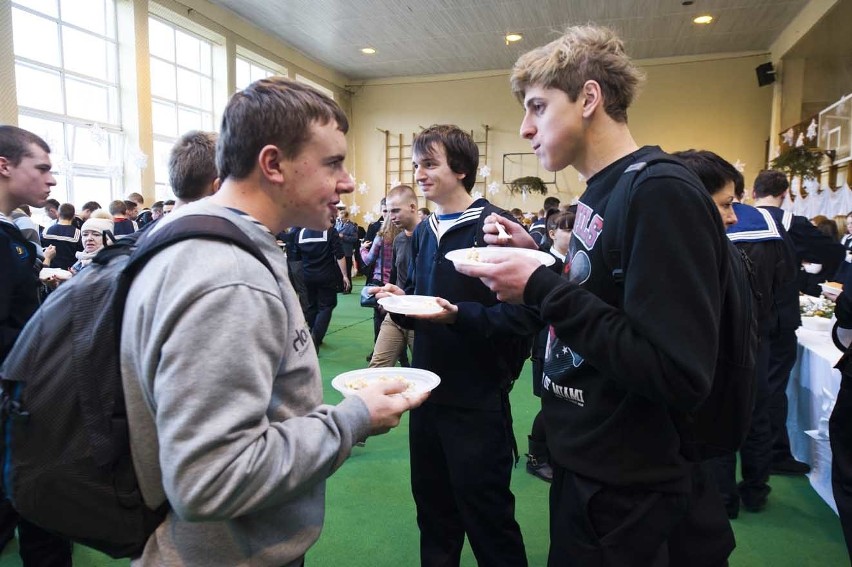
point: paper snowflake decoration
(394, 182)
(139, 158)
(812, 130)
(800, 141)
(62, 165)
(493, 188)
(362, 188)
(354, 209)
(739, 166)
(98, 134)
(377, 208)
(352, 177)
(788, 137)
(476, 195)
(580, 177)
(369, 218)
(524, 189)
(484, 171)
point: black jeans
(782, 358)
(596, 525)
(322, 299)
(36, 547)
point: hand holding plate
(506, 276)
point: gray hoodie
(224, 399)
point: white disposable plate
(473, 256)
(417, 380)
(59, 273)
(410, 304)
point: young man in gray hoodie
(221, 379)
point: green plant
(799, 161)
(528, 184)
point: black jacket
(479, 355)
(621, 360)
(19, 284)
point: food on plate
(360, 383)
(473, 254)
(835, 285)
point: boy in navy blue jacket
(623, 360)
(461, 442)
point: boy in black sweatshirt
(621, 361)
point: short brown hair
(770, 183)
(274, 111)
(583, 53)
(192, 165)
(15, 144)
(404, 192)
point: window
(249, 71)
(316, 85)
(66, 70)
(181, 91)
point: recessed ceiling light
(368, 51)
(513, 37)
(703, 19)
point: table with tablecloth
(814, 383)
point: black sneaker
(755, 501)
(542, 470)
(790, 467)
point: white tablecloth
(814, 383)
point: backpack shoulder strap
(619, 205)
(194, 226)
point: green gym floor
(370, 518)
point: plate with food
(58, 273)
(481, 255)
(416, 380)
(836, 287)
(411, 304)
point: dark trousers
(36, 547)
(348, 260)
(840, 438)
(322, 299)
(596, 525)
(756, 451)
(783, 346)
(461, 465)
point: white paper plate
(418, 380)
(410, 304)
(473, 256)
(47, 273)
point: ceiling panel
(422, 37)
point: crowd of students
(235, 438)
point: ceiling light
(703, 19)
(513, 37)
(368, 51)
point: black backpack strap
(193, 226)
(618, 207)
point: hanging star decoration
(812, 130)
(362, 188)
(800, 141)
(352, 177)
(394, 182)
(524, 191)
(493, 188)
(369, 218)
(788, 137)
(377, 208)
(476, 195)
(484, 171)
(581, 177)
(354, 209)
(739, 166)
(98, 134)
